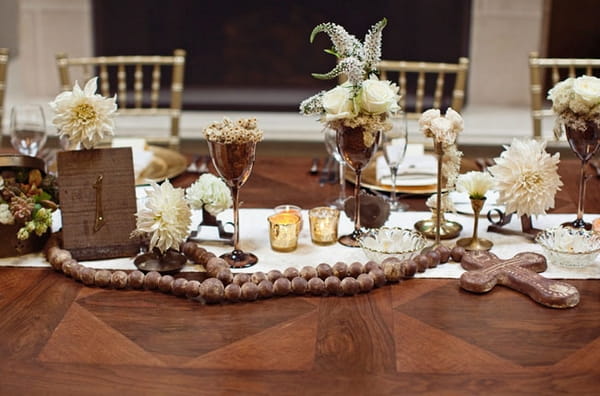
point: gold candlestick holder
(475, 243)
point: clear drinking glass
(393, 146)
(233, 162)
(331, 146)
(27, 129)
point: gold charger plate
(165, 164)
(369, 180)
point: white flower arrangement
(84, 116)
(210, 193)
(363, 100)
(476, 184)
(575, 101)
(166, 217)
(526, 177)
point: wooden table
(419, 336)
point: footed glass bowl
(569, 247)
(381, 243)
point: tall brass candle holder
(475, 243)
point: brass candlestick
(475, 243)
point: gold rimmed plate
(165, 164)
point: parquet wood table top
(421, 336)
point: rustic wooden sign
(97, 202)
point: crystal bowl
(381, 243)
(569, 247)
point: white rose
(456, 119)
(378, 97)
(427, 117)
(588, 89)
(338, 103)
(209, 192)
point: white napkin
(141, 156)
(417, 169)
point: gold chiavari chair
(3, 65)
(560, 69)
(423, 84)
(141, 84)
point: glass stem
(582, 183)
(235, 191)
(393, 175)
(342, 182)
(357, 201)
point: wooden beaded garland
(282, 287)
(136, 279)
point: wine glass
(357, 146)
(331, 146)
(233, 162)
(393, 146)
(27, 129)
(584, 143)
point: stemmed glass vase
(233, 162)
(27, 129)
(584, 142)
(393, 146)
(357, 146)
(330, 136)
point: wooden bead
(102, 278)
(333, 285)
(204, 257)
(350, 286)
(249, 291)
(408, 268)
(76, 271)
(214, 265)
(355, 269)
(59, 257)
(233, 292)
(444, 252)
(225, 275)
(136, 279)
(291, 273)
(324, 270)
(340, 269)
(188, 247)
(118, 280)
(151, 280)
(308, 272)
(258, 277)
(87, 276)
(316, 286)
(391, 269)
(52, 253)
(299, 285)
(273, 275)
(67, 266)
(165, 283)
(213, 290)
(434, 258)
(192, 289)
(369, 265)
(265, 289)
(378, 277)
(457, 253)
(282, 287)
(178, 287)
(365, 282)
(196, 254)
(241, 278)
(422, 262)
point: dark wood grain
(420, 336)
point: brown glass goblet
(357, 146)
(584, 143)
(233, 162)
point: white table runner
(254, 237)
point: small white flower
(476, 184)
(338, 103)
(209, 192)
(6, 216)
(526, 177)
(588, 89)
(444, 129)
(377, 97)
(166, 216)
(84, 116)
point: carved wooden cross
(485, 270)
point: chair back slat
(138, 86)
(439, 87)
(104, 81)
(544, 71)
(155, 89)
(122, 85)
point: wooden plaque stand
(97, 202)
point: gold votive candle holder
(323, 225)
(287, 208)
(284, 231)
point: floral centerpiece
(209, 193)
(83, 116)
